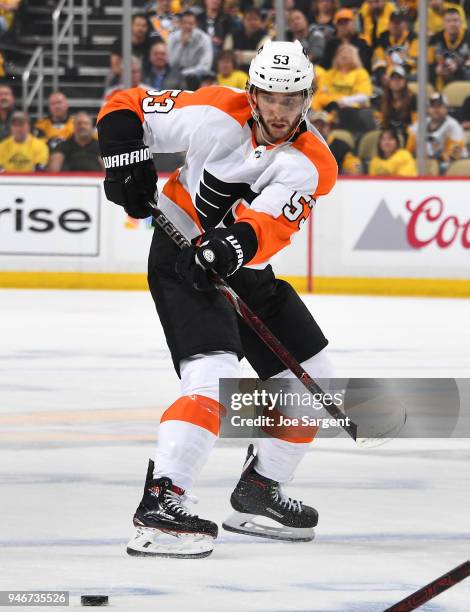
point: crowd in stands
(56, 143)
(365, 55)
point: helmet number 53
(281, 59)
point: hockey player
(253, 171)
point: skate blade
(158, 543)
(246, 524)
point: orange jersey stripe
(322, 158)
(233, 103)
(198, 410)
(128, 99)
(174, 190)
(272, 234)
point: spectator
(227, 73)
(375, 19)
(396, 46)
(8, 9)
(215, 22)
(57, 126)
(347, 84)
(346, 33)
(141, 41)
(159, 74)
(398, 106)
(136, 80)
(446, 138)
(392, 159)
(347, 162)
(323, 15)
(163, 18)
(436, 13)
(7, 107)
(190, 50)
(311, 38)
(450, 51)
(22, 152)
(247, 42)
(319, 72)
(80, 152)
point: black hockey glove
(131, 179)
(222, 251)
(132, 184)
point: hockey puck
(94, 600)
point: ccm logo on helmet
(275, 79)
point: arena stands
(365, 55)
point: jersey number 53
(160, 101)
(299, 207)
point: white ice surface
(84, 377)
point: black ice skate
(256, 496)
(165, 528)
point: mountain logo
(384, 232)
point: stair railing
(58, 36)
(37, 87)
(84, 19)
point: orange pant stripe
(198, 410)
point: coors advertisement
(430, 222)
(423, 225)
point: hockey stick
(256, 324)
(421, 596)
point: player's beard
(275, 137)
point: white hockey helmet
(281, 67)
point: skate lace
(175, 502)
(285, 501)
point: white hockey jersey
(227, 177)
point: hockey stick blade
(421, 596)
(256, 325)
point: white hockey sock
(182, 451)
(184, 446)
(278, 459)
